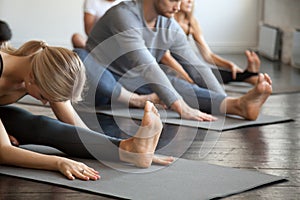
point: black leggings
(41, 130)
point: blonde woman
(226, 71)
(56, 75)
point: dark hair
(5, 32)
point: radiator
(296, 49)
(269, 44)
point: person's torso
(157, 40)
(9, 92)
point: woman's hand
(234, 70)
(73, 169)
(13, 141)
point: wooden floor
(272, 149)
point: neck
(150, 13)
(181, 17)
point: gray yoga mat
(245, 87)
(222, 124)
(185, 179)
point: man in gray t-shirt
(130, 40)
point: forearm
(11, 155)
(65, 112)
(208, 55)
(221, 62)
(172, 63)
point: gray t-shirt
(121, 41)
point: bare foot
(139, 101)
(251, 102)
(253, 62)
(139, 150)
(253, 66)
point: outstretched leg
(248, 105)
(85, 143)
(139, 150)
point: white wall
(228, 25)
(51, 20)
(284, 14)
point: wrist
(58, 162)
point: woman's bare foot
(248, 105)
(251, 102)
(253, 66)
(139, 101)
(139, 150)
(253, 62)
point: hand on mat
(162, 160)
(186, 112)
(13, 140)
(73, 169)
(194, 114)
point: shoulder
(91, 3)
(91, 6)
(126, 8)
(97, 7)
(126, 13)
(195, 25)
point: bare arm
(170, 61)
(65, 112)
(206, 52)
(11, 155)
(89, 21)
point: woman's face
(187, 6)
(34, 91)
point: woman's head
(187, 6)
(57, 72)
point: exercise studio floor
(272, 149)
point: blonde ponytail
(26, 49)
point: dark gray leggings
(41, 130)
